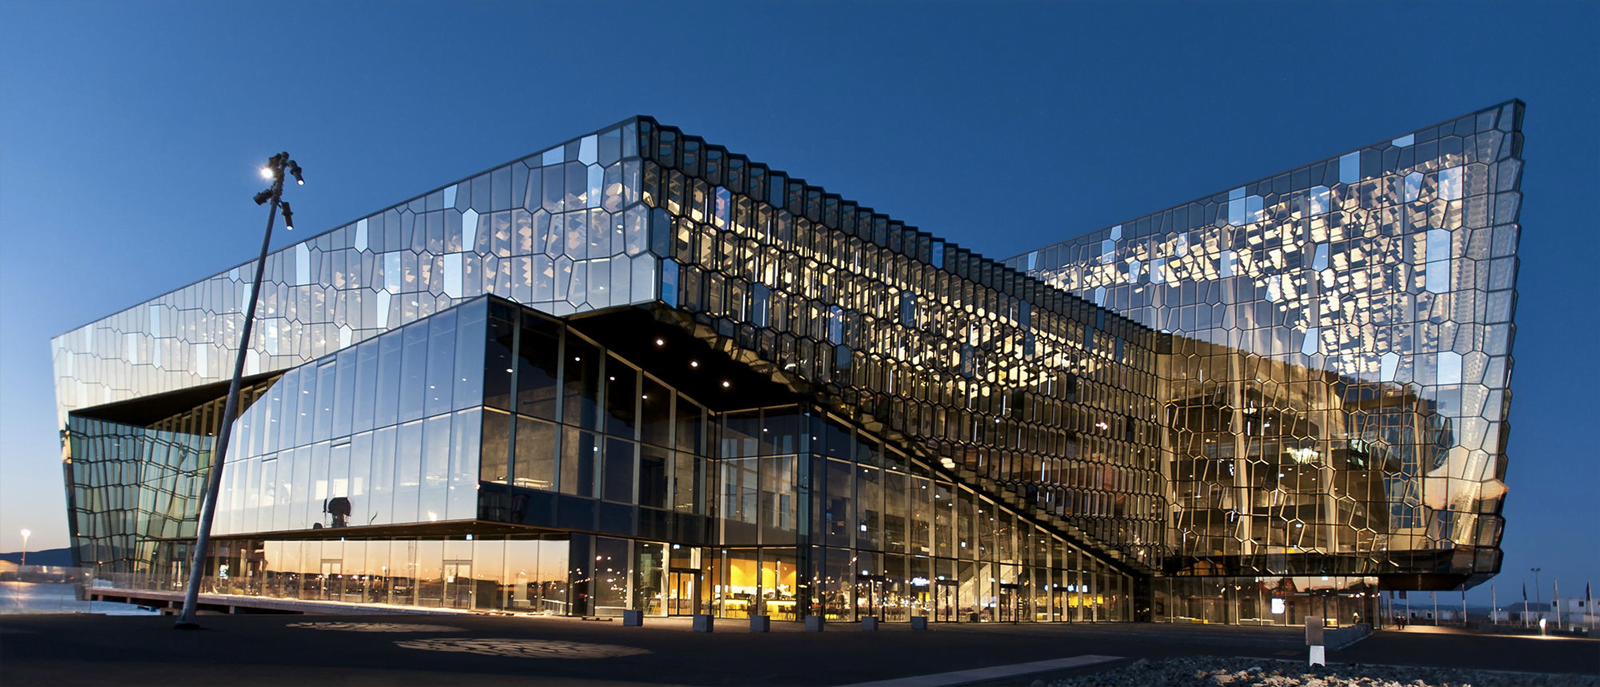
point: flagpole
(1588, 602)
(1494, 605)
(1526, 622)
(1557, 584)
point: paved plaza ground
(391, 649)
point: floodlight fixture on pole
(274, 170)
(1537, 600)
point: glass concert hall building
(639, 371)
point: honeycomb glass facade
(1336, 388)
(638, 371)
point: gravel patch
(1214, 671)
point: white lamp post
(25, 534)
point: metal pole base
(185, 625)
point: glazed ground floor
(591, 575)
(580, 574)
(1268, 600)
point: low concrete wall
(1345, 636)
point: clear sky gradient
(130, 135)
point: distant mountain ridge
(54, 557)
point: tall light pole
(1537, 601)
(273, 171)
(25, 534)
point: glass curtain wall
(1338, 378)
(386, 432)
(1341, 600)
(897, 540)
(540, 574)
(561, 230)
(975, 364)
(133, 486)
(401, 421)
(578, 438)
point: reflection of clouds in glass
(1350, 168)
(1244, 209)
(1450, 184)
(1388, 365)
(1319, 200)
(1437, 272)
(1449, 367)
(1309, 346)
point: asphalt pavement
(241, 650)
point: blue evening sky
(130, 134)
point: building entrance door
(458, 584)
(332, 581)
(921, 598)
(944, 600)
(870, 596)
(683, 591)
(1010, 602)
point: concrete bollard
(1318, 654)
(760, 623)
(633, 618)
(703, 622)
(869, 624)
(919, 623)
(814, 623)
